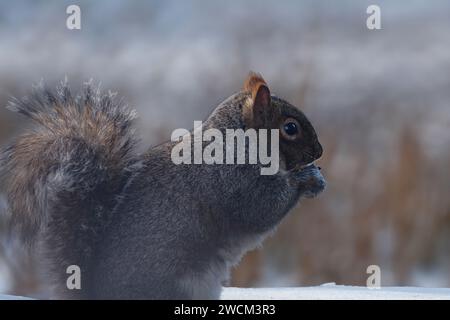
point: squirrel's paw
(309, 180)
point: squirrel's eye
(290, 128)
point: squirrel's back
(64, 178)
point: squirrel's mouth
(308, 165)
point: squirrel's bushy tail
(63, 179)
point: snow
(10, 297)
(323, 292)
(336, 292)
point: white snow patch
(10, 297)
(336, 292)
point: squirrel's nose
(317, 150)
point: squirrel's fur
(139, 226)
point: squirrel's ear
(257, 86)
(260, 92)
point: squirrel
(137, 225)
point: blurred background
(379, 100)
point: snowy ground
(325, 292)
(335, 292)
(9, 297)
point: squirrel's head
(298, 142)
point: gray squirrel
(138, 225)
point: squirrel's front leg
(259, 205)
